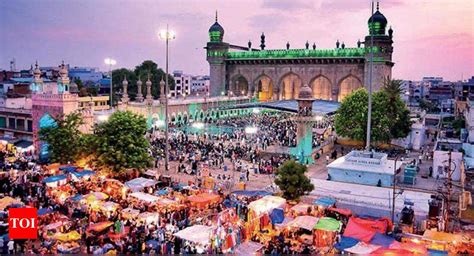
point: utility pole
(371, 63)
(448, 197)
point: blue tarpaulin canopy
(277, 216)
(44, 211)
(325, 201)
(68, 168)
(437, 252)
(55, 178)
(83, 173)
(251, 193)
(346, 242)
(382, 240)
(76, 197)
(161, 192)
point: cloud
(355, 5)
(288, 5)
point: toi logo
(23, 223)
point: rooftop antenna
(369, 114)
(13, 65)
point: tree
(64, 139)
(390, 117)
(401, 124)
(120, 142)
(291, 179)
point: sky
(431, 37)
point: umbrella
(100, 226)
(44, 211)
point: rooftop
(365, 162)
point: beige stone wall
(307, 73)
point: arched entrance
(264, 88)
(321, 88)
(240, 86)
(290, 86)
(347, 86)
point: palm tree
(393, 88)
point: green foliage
(64, 140)
(292, 180)
(141, 71)
(390, 116)
(428, 106)
(120, 144)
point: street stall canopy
(199, 234)
(266, 204)
(248, 248)
(441, 236)
(204, 199)
(98, 227)
(55, 225)
(382, 240)
(345, 242)
(325, 201)
(284, 223)
(56, 178)
(96, 196)
(140, 183)
(251, 193)
(108, 206)
(83, 174)
(304, 222)
(389, 252)
(277, 216)
(67, 237)
(365, 229)
(417, 248)
(68, 168)
(130, 212)
(362, 248)
(6, 201)
(44, 211)
(301, 208)
(149, 217)
(328, 224)
(145, 197)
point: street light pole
(110, 62)
(393, 188)
(167, 35)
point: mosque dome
(377, 23)
(73, 88)
(305, 93)
(216, 32)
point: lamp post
(166, 35)
(393, 187)
(111, 62)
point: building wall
(440, 161)
(335, 73)
(358, 177)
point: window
(178, 81)
(11, 123)
(20, 124)
(30, 125)
(3, 122)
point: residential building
(182, 84)
(200, 84)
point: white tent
(199, 234)
(266, 204)
(304, 222)
(149, 217)
(139, 184)
(248, 248)
(145, 197)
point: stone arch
(185, 117)
(347, 85)
(289, 86)
(263, 88)
(46, 121)
(173, 118)
(239, 85)
(321, 86)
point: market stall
(301, 209)
(7, 201)
(149, 217)
(248, 248)
(140, 184)
(143, 197)
(204, 200)
(325, 232)
(364, 229)
(55, 181)
(130, 213)
(198, 234)
(266, 204)
(304, 222)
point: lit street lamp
(111, 62)
(166, 35)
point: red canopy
(100, 226)
(358, 231)
(391, 252)
(345, 212)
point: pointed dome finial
(216, 15)
(378, 5)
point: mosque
(278, 74)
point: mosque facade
(278, 74)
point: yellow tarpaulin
(441, 236)
(66, 237)
(6, 201)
